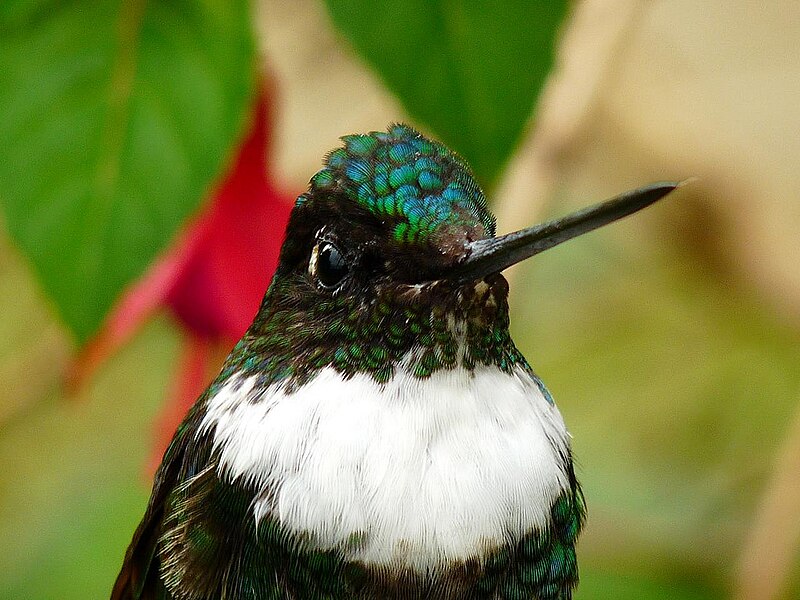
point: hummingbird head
(389, 210)
(390, 260)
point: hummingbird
(376, 433)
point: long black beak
(492, 255)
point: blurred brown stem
(766, 559)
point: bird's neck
(421, 328)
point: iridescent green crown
(415, 184)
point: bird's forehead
(414, 186)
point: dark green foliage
(470, 70)
(115, 118)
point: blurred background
(149, 156)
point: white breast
(412, 472)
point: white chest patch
(414, 472)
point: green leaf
(469, 70)
(115, 118)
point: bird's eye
(332, 266)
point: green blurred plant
(471, 71)
(115, 119)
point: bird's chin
(489, 291)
